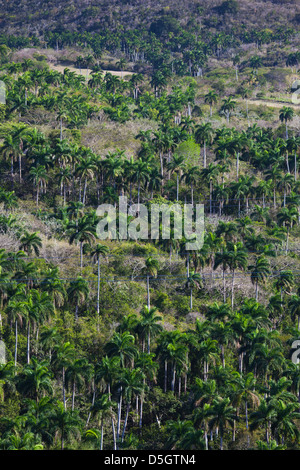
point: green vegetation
(141, 344)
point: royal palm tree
(228, 107)
(176, 166)
(84, 232)
(148, 326)
(237, 258)
(286, 114)
(30, 242)
(151, 268)
(96, 253)
(259, 272)
(222, 414)
(204, 134)
(78, 292)
(211, 98)
(194, 280)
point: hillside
(139, 343)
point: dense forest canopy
(143, 344)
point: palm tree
(17, 311)
(103, 407)
(286, 114)
(84, 233)
(39, 177)
(176, 166)
(97, 252)
(132, 384)
(222, 414)
(294, 308)
(30, 242)
(35, 378)
(211, 98)
(210, 174)
(122, 345)
(121, 64)
(77, 372)
(194, 280)
(285, 182)
(284, 423)
(262, 417)
(148, 326)
(228, 107)
(204, 135)
(151, 269)
(259, 272)
(12, 147)
(237, 258)
(78, 292)
(64, 355)
(141, 175)
(287, 217)
(67, 422)
(85, 169)
(244, 390)
(191, 176)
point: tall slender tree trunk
(16, 343)
(148, 291)
(232, 289)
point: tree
(151, 269)
(176, 166)
(259, 272)
(35, 378)
(30, 242)
(287, 217)
(294, 308)
(17, 311)
(194, 280)
(78, 292)
(66, 422)
(148, 326)
(211, 98)
(228, 107)
(84, 232)
(222, 414)
(237, 258)
(39, 177)
(97, 252)
(103, 408)
(204, 135)
(286, 114)
(122, 346)
(77, 372)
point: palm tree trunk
(224, 287)
(73, 395)
(119, 416)
(16, 343)
(84, 191)
(165, 376)
(98, 289)
(232, 288)
(20, 168)
(112, 420)
(63, 387)
(125, 421)
(148, 291)
(102, 432)
(28, 342)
